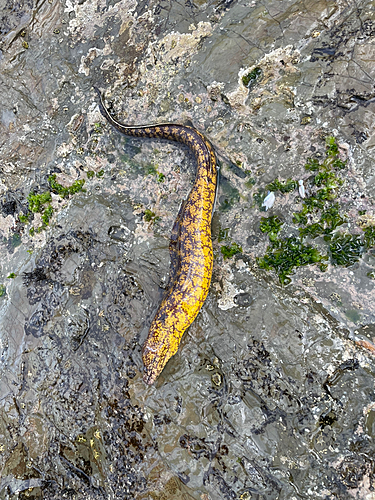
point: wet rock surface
(271, 395)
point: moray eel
(190, 246)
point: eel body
(190, 246)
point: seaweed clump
(283, 255)
(271, 225)
(63, 191)
(229, 251)
(369, 237)
(286, 187)
(37, 204)
(150, 216)
(320, 217)
(41, 202)
(346, 249)
(250, 79)
(233, 248)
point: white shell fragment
(269, 200)
(301, 189)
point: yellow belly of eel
(190, 247)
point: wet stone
(270, 395)
(243, 299)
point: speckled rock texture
(271, 394)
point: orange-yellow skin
(190, 248)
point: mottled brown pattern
(190, 247)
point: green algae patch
(284, 255)
(312, 230)
(320, 217)
(98, 128)
(250, 79)
(231, 248)
(353, 315)
(250, 182)
(330, 219)
(229, 251)
(63, 191)
(346, 249)
(369, 237)
(3, 290)
(23, 218)
(258, 198)
(230, 196)
(36, 201)
(41, 202)
(151, 170)
(271, 225)
(223, 234)
(150, 216)
(47, 214)
(284, 187)
(16, 240)
(12, 276)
